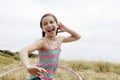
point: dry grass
(89, 70)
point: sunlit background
(97, 21)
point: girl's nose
(49, 25)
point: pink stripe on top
(49, 56)
(48, 64)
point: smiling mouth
(52, 30)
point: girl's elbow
(79, 37)
(22, 51)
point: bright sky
(98, 22)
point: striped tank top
(49, 60)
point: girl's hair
(48, 14)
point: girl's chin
(51, 35)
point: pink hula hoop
(62, 67)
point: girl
(48, 47)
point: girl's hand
(36, 70)
(62, 28)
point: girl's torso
(49, 57)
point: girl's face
(49, 25)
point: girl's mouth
(50, 31)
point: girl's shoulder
(39, 41)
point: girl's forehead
(48, 18)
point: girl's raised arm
(73, 35)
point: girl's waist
(52, 66)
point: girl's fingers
(61, 23)
(62, 27)
(37, 73)
(45, 71)
(36, 70)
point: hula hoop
(12, 70)
(72, 72)
(62, 67)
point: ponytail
(57, 31)
(43, 34)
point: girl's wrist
(27, 66)
(67, 30)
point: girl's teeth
(50, 30)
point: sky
(97, 21)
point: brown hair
(48, 14)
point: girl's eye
(45, 23)
(51, 22)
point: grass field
(89, 70)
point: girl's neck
(51, 38)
